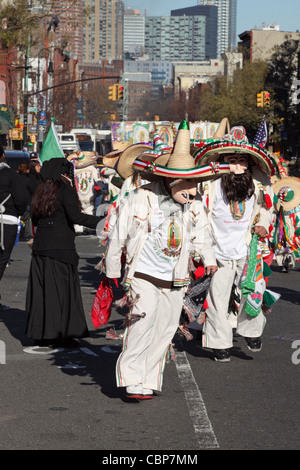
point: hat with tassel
(178, 163)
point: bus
(93, 140)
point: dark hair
(23, 167)
(45, 199)
(238, 187)
(1, 151)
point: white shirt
(162, 248)
(229, 224)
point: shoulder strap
(2, 210)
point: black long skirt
(53, 301)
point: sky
(250, 13)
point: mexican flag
(51, 147)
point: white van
(69, 143)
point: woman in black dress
(53, 301)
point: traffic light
(120, 91)
(156, 118)
(112, 92)
(266, 99)
(260, 100)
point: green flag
(51, 147)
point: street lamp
(50, 70)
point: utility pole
(25, 102)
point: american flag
(262, 135)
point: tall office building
(134, 32)
(175, 37)
(103, 31)
(69, 32)
(211, 31)
(227, 17)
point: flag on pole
(51, 147)
(262, 135)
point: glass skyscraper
(210, 12)
(227, 17)
(175, 37)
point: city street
(69, 400)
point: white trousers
(146, 341)
(217, 329)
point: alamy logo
(296, 354)
(296, 92)
(2, 353)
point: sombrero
(178, 164)
(235, 142)
(287, 191)
(111, 158)
(124, 163)
(83, 159)
(129, 155)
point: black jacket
(56, 234)
(31, 183)
(11, 183)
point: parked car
(15, 157)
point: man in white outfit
(240, 210)
(87, 176)
(160, 227)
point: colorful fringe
(257, 297)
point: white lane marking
(197, 409)
(41, 351)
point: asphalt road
(68, 400)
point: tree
(283, 71)
(17, 24)
(97, 107)
(236, 99)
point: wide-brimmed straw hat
(287, 191)
(123, 163)
(235, 142)
(111, 158)
(178, 164)
(83, 159)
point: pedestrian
(240, 208)
(159, 227)
(53, 302)
(13, 200)
(87, 177)
(286, 227)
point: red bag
(103, 300)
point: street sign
(31, 129)
(42, 121)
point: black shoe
(42, 343)
(66, 343)
(221, 355)
(254, 344)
